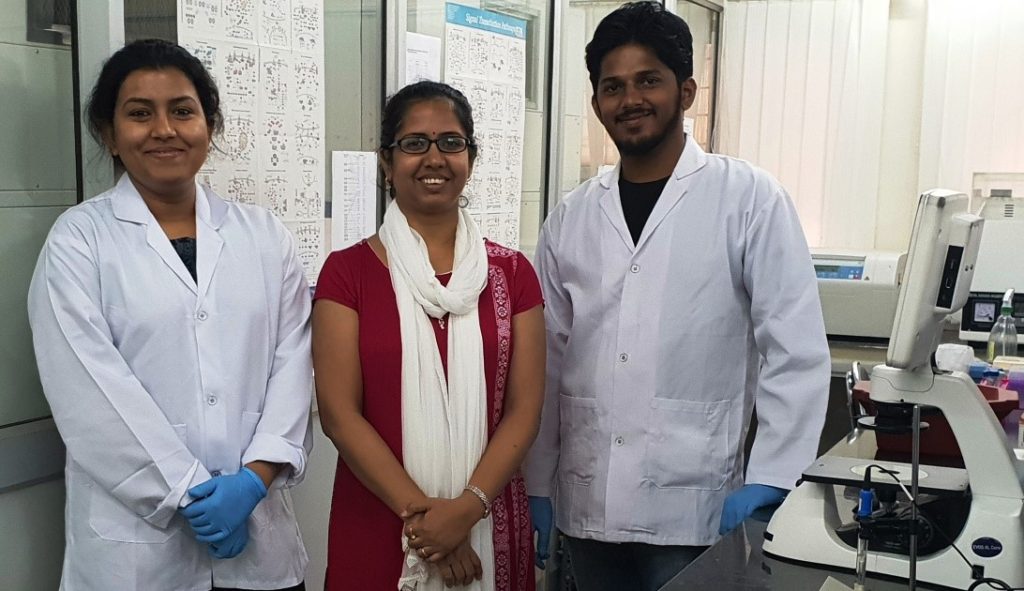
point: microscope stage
(932, 480)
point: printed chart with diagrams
(485, 58)
(267, 57)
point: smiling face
(428, 183)
(160, 133)
(638, 99)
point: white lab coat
(156, 383)
(657, 353)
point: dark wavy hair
(399, 103)
(647, 24)
(149, 54)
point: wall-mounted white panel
(22, 232)
(14, 24)
(32, 547)
(37, 149)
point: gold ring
(412, 537)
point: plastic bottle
(1003, 338)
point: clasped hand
(460, 567)
(223, 504)
(436, 527)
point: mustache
(632, 112)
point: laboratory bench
(871, 352)
(736, 563)
(844, 353)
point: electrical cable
(994, 583)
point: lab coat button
(215, 473)
(211, 399)
(202, 315)
(619, 441)
(635, 269)
(623, 357)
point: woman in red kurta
(358, 355)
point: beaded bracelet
(483, 498)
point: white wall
(901, 125)
(313, 505)
(972, 118)
(892, 98)
(801, 95)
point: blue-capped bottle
(1003, 338)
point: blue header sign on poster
(484, 20)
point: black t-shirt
(638, 201)
(186, 249)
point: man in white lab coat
(679, 293)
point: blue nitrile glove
(744, 501)
(232, 545)
(542, 515)
(223, 504)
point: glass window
(585, 149)
(505, 79)
(150, 19)
(703, 24)
(584, 145)
(49, 21)
(354, 85)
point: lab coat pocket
(578, 459)
(274, 510)
(687, 444)
(111, 520)
(262, 513)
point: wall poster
(267, 57)
(353, 197)
(485, 58)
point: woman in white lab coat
(172, 337)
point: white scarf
(444, 426)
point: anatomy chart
(267, 57)
(485, 58)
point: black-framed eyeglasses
(418, 144)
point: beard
(644, 145)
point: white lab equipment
(954, 357)
(999, 264)
(858, 290)
(978, 507)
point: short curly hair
(647, 24)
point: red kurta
(364, 540)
